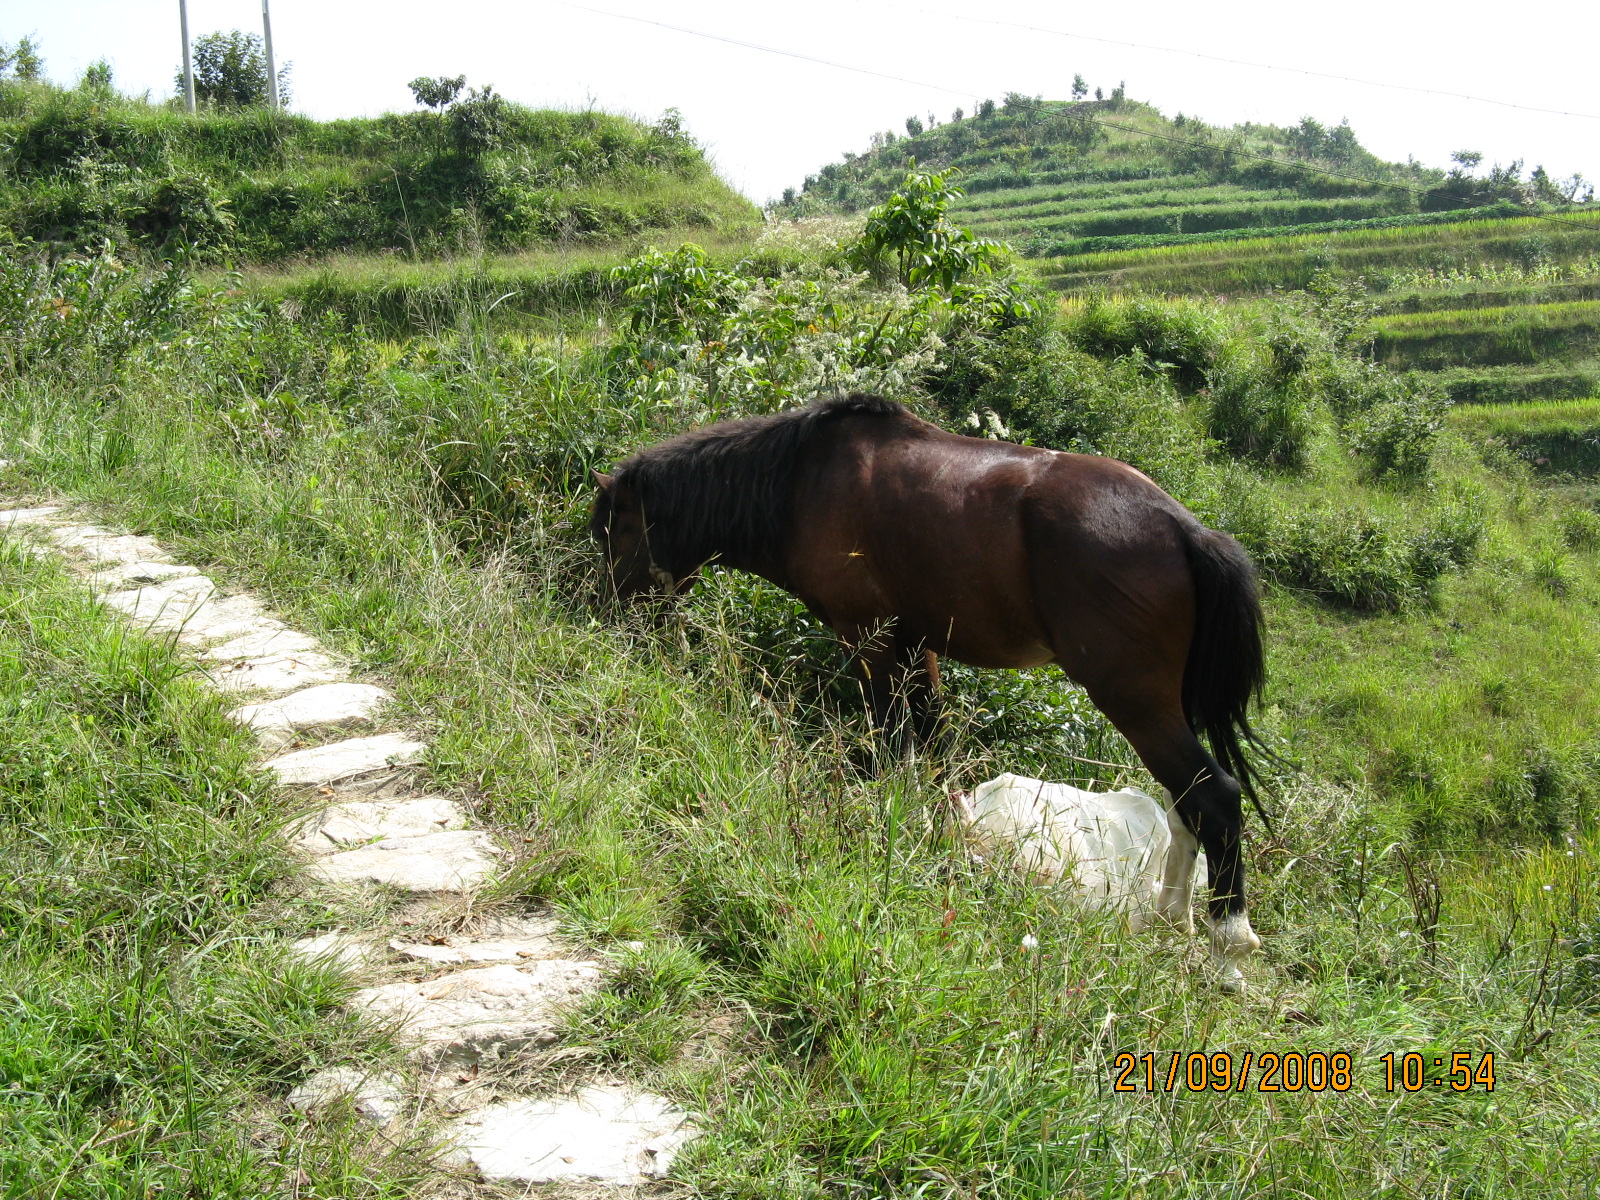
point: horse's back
(973, 545)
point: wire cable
(1241, 62)
(1096, 120)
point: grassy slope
(1125, 210)
(901, 1034)
(79, 167)
(148, 1025)
(884, 1026)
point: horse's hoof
(1232, 944)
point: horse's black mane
(724, 490)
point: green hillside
(82, 166)
(1110, 195)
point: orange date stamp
(1296, 1071)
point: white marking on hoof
(1232, 944)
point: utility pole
(272, 66)
(188, 67)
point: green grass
(150, 1021)
(78, 168)
(1259, 264)
(1526, 334)
(865, 1017)
(1556, 437)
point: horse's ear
(603, 481)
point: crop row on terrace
(1529, 335)
(1195, 196)
(1259, 264)
(1186, 220)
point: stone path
(466, 1005)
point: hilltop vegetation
(1109, 195)
(84, 166)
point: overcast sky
(769, 120)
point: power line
(1100, 121)
(1240, 62)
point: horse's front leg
(924, 695)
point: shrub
(1186, 336)
(1396, 437)
(1580, 528)
(1258, 413)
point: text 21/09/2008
(1294, 1071)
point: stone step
(116, 579)
(164, 606)
(454, 861)
(614, 1135)
(379, 1096)
(346, 759)
(272, 639)
(356, 822)
(103, 546)
(329, 706)
(483, 1014)
(460, 950)
(29, 516)
(277, 674)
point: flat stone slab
(462, 950)
(336, 948)
(164, 605)
(275, 638)
(277, 673)
(454, 861)
(610, 1134)
(28, 516)
(103, 546)
(356, 822)
(484, 1013)
(226, 620)
(330, 706)
(378, 1096)
(347, 759)
(115, 579)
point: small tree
(230, 71)
(1467, 161)
(913, 126)
(957, 115)
(911, 227)
(479, 123)
(1080, 89)
(986, 109)
(436, 93)
(21, 61)
(96, 80)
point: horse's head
(618, 525)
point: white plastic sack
(1111, 846)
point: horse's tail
(1226, 666)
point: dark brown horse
(912, 542)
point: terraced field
(1492, 302)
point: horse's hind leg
(1210, 812)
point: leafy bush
(1186, 336)
(1261, 410)
(1396, 437)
